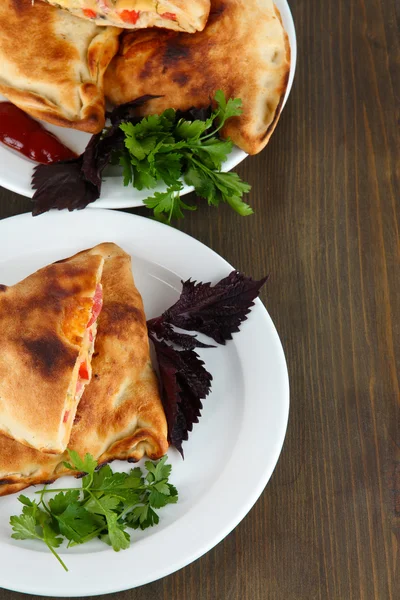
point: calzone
(52, 63)
(243, 50)
(48, 328)
(120, 415)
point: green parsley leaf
(190, 130)
(103, 507)
(62, 500)
(24, 528)
(203, 185)
(159, 470)
(50, 536)
(119, 538)
(162, 148)
(214, 149)
(25, 500)
(144, 176)
(168, 203)
(85, 465)
(76, 523)
(217, 187)
(232, 108)
(142, 517)
(126, 164)
(27, 527)
(168, 167)
(158, 499)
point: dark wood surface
(325, 227)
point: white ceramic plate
(232, 451)
(16, 170)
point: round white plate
(232, 451)
(16, 170)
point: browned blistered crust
(243, 50)
(120, 415)
(52, 63)
(42, 322)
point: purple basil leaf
(90, 167)
(184, 383)
(62, 185)
(194, 114)
(166, 332)
(76, 183)
(127, 111)
(217, 311)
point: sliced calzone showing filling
(48, 327)
(181, 15)
(120, 415)
(52, 63)
(243, 50)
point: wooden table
(325, 193)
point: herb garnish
(216, 311)
(105, 505)
(157, 149)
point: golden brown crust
(120, 415)
(42, 320)
(247, 62)
(56, 72)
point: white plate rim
(113, 194)
(173, 241)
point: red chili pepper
(66, 415)
(169, 15)
(130, 16)
(22, 133)
(89, 13)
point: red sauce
(22, 133)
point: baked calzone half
(120, 415)
(52, 63)
(243, 50)
(48, 327)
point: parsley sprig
(105, 505)
(171, 148)
(164, 148)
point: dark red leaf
(194, 114)
(217, 311)
(62, 185)
(76, 183)
(127, 111)
(166, 332)
(184, 383)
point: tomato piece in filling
(89, 13)
(169, 15)
(66, 415)
(97, 305)
(84, 371)
(129, 16)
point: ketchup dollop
(22, 133)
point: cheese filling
(122, 13)
(83, 369)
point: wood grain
(326, 196)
